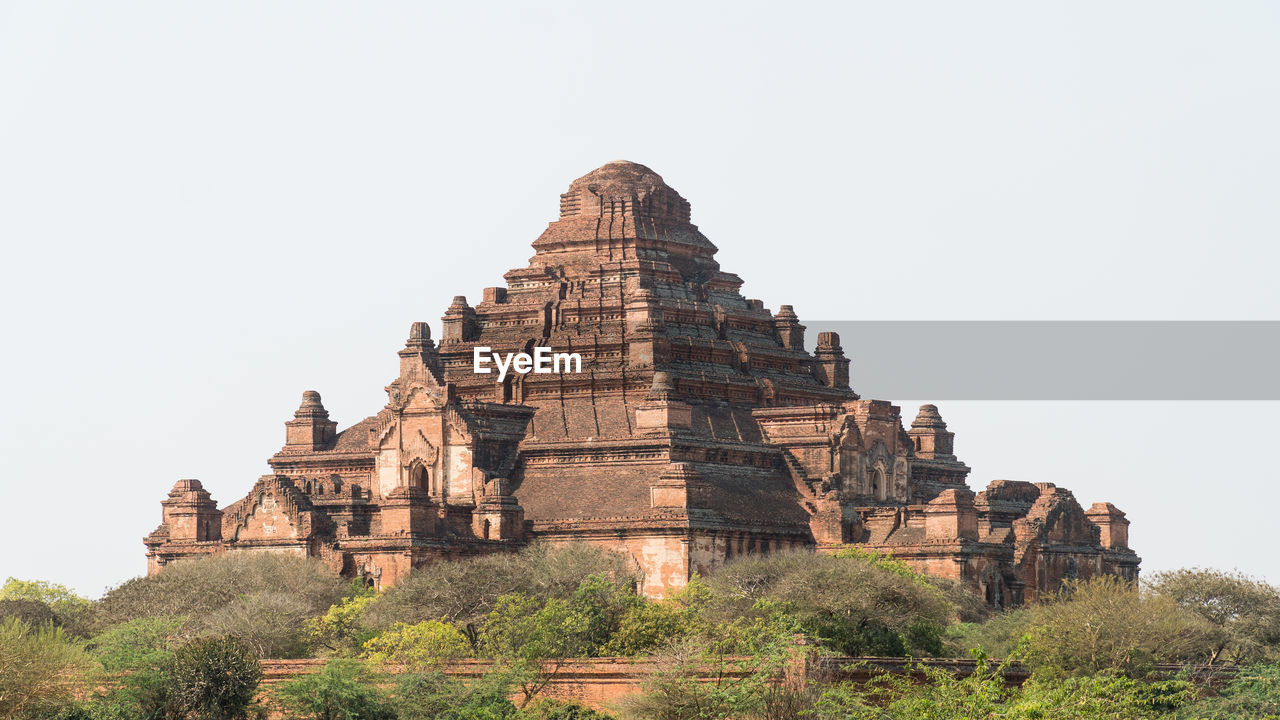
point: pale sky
(208, 208)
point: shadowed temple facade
(698, 430)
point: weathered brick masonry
(699, 430)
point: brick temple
(699, 430)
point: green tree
(984, 695)
(214, 679)
(140, 643)
(435, 696)
(58, 597)
(547, 709)
(1247, 611)
(701, 678)
(465, 591)
(855, 604)
(272, 624)
(32, 612)
(70, 610)
(41, 668)
(1106, 624)
(344, 689)
(1254, 692)
(418, 647)
(341, 629)
(199, 588)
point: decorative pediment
(275, 510)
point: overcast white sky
(206, 209)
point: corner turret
(310, 429)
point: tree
(435, 696)
(58, 597)
(1254, 692)
(418, 647)
(341, 629)
(272, 624)
(548, 709)
(706, 677)
(647, 625)
(1245, 610)
(1107, 624)
(70, 610)
(32, 612)
(41, 669)
(215, 679)
(854, 604)
(140, 643)
(198, 588)
(465, 591)
(343, 690)
(984, 694)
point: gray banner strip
(1060, 360)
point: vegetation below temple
(186, 642)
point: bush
(341, 630)
(1253, 693)
(419, 646)
(32, 612)
(1107, 625)
(272, 624)
(695, 680)
(434, 696)
(41, 669)
(342, 690)
(70, 610)
(647, 625)
(141, 643)
(998, 637)
(465, 591)
(984, 694)
(561, 710)
(1246, 611)
(852, 604)
(199, 588)
(214, 679)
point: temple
(699, 429)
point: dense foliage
(184, 644)
(40, 669)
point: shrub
(998, 637)
(141, 643)
(849, 604)
(70, 610)
(198, 588)
(41, 668)
(984, 694)
(32, 612)
(561, 710)
(214, 679)
(1245, 610)
(1253, 693)
(342, 690)
(521, 627)
(465, 591)
(1107, 625)
(341, 629)
(434, 696)
(59, 598)
(419, 646)
(272, 624)
(694, 680)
